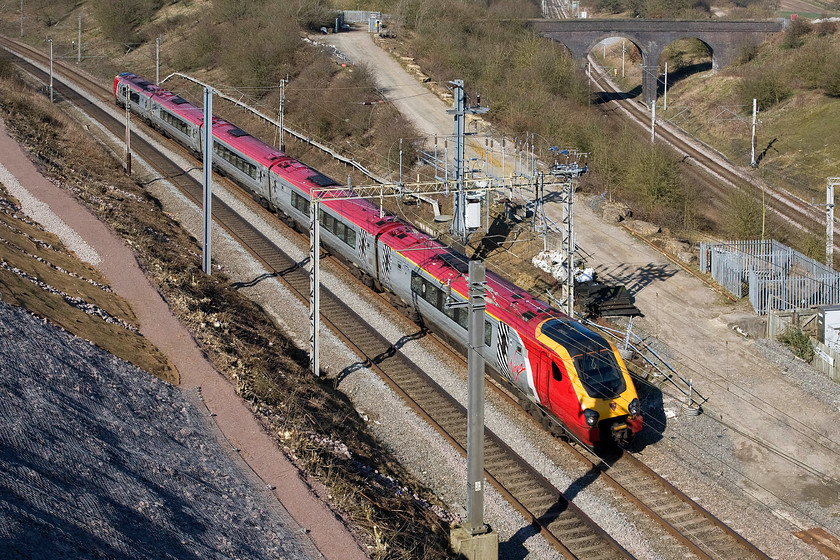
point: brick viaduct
(724, 38)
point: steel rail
(564, 525)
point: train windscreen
(594, 360)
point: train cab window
(600, 374)
(591, 355)
(555, 372)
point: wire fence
(772, 274)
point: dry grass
(35, 264)
(316, 423)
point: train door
(555, 385)
(543, 373)
(561, 402)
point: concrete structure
(474, 547)
(724, 38)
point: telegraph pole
(567, 233)
(127, 134)
(475, 412)
(653, 120)
(51, 70)
(460, 110)
(207, 145)
(79, 44)
(475, 539)
(157, 60)
(21, 18)
(314, 287)
(753, 163)
(829, 220)
(665, 94)
(282, 109)
(623, 50)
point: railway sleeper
(567, 521)
(548, 500)
(578, 543)
(528, 494)
(691, 526)
(520, 479)
(596, 552)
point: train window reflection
(592, 356)
(600, 374)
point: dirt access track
(765, 412)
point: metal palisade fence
(360, 16)
(774, 275)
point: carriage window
(174, 121)
(300, 203)
(338, 228)
(134, 96)
(488, 333)
(417, 285)
(235, 159)
(458, 314)
(429, 291)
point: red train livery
(559, 368)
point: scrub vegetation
(795, 79)
(531, 85)
(314, 422)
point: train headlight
(635, 408)
(591, 417)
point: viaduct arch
(723, 37)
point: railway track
(708, 170)
(561, 522)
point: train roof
(504, 300)
(178, 105)
(249, 146)
(139, 83)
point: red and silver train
(558, 367)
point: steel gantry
(381, 191)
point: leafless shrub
(119, 19)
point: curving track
(708, 171)
(561, 522)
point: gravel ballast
(682, 452)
